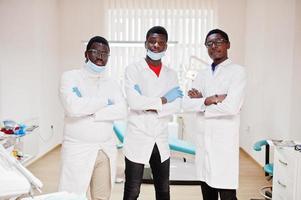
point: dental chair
(174, 143)
(15, 180)
(265, 191)
(178, 167)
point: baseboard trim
(37, 158)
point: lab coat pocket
(224, 138)
(136, 123)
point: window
(187, 26)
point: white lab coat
(217, 126)
(144, 129)
(88, 125)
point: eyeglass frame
(298, 147)
(96, 53)
(218, 42)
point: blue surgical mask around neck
(155, 56)
(95, 68)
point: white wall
(231, 16)
(269, 58)
(296, 78)
(79, 21)
(30, 69)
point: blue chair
(268, 167)
(181, 146)
(265, 191)
(174, 143)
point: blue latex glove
(21, 130)
(137, 88)
(76, 91)
(173, 94)
(110, 102)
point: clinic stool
(265, 191)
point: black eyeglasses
(217, 42)
(298, 147)
(98, 53)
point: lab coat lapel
(157, 82)
(216, 79)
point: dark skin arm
(214, 99)
(163, 100)
(194, 93)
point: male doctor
(153, 96)
(217, 96)
(92, 101)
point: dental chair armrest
(258, 145)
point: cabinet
(287, 174)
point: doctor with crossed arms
(153, 96)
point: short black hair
(97, 39)
(158, 30)
(218, 31)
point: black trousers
(210, 193)
(134, 174)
